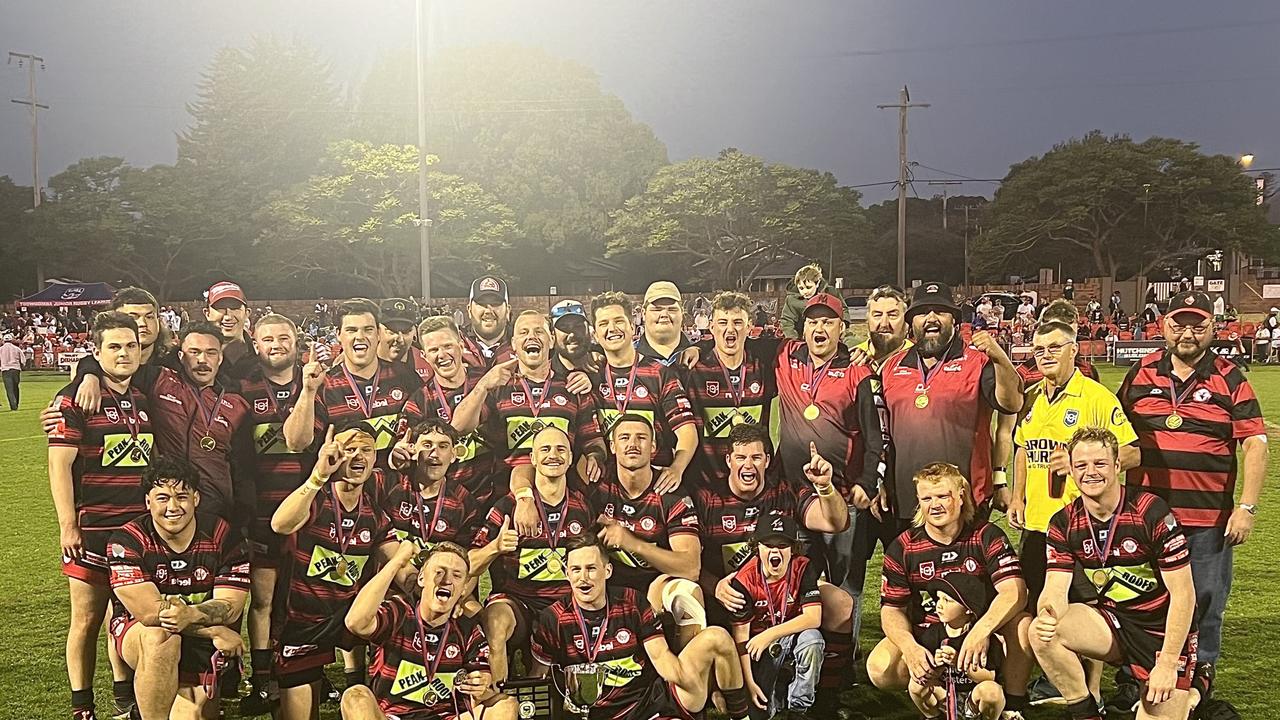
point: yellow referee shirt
(865, 346)
(1050, 424)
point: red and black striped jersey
(1144, 541)
(516, 412)
(216, 558)
(419, 365)
(323, 548)
(447, 515)
(849, 430)
(940, 415)
(1190, 462)
(631, 689)
(913, 559)
(650, 516)
(113, 446)
(381, 400)
(645, 388)
(723, 398)
(770, 604)
(535, 573)
(278, 471)
(728, 521)
(475, 465)
(415, 665)
(1030, 372)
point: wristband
(825, 490)
(314, 483)
(999, 477)
(523, 493)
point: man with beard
(947, 537)
(397, 331)
(332, 554)
(613, 630)
(179, 579)
(1134, 551)
(886, 327)
(95, 464)
(573, 338)
(732, 382)
(487, 340)
(517, 399)
(226, 307)
(729, 512)
(652, 538)
(631, 383)
(359, 387)
(429, 663)
(271, 390)
(941, 395)
(663, 338)
(529, 577)
(1192, 411)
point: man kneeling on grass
(427, 663)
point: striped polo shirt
(1190, 462)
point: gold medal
(341, 568)
(739, 418)
(553, 563)
(1100, 577)
(1173, 422)
(207, 444)
(922, 401)
(811, 412)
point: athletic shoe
(1126, 698)
(1042, 692)
(1214, 709)
(84, 715)
(258, 701)
(328, 693)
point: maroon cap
(826, 300)
(225, 290)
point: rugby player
(487, 340)
(1135, 553)
(142, 306)
(663, 338)
(652, 537)
(1192, 411)
(334, 541)
(529, 577)
(429, 663)
(226, 308)
(397, 335)
(424, 506)
(179, 578)
(630, 383)
(95, 464)
(614, 629)
(947, 536)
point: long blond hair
(942, 472)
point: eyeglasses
(1054, 350)
(1179, 330)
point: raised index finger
(328, 435)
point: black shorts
(302, 651)
(195, 661)
(1140, 638)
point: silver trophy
(584, 683)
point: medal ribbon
(544, 516)
(131, 418)
(366, 406)
(631, 382)
(435, 513)
(444, 402)
(209, 416)
(294, 385)
(444, 641)
(926, 375)
(344, 540)
(1111, 530)
(741, 392)
(587, 649)
(535, 406)
(1176, 399)
(779, 617)
(816, 376)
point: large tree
(735, 214)
(1118, 208)
(17, 250)
(535, 130)
(355, 224)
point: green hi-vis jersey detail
(411, 683)
(386, 427)
(718, 421)
(470, 447)
(626, 558)
(608, 417)
(620, 672)
(542, 565)
(191, 598)
(324, 564)
(268, 439)
(522, 428)
(734, 554)
(1128, 583)
(122, 450)
(402, 535)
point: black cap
(1194, 302)
(775, 526)
(488, 285)
(932, 295)
(398, 310)
(968, 590)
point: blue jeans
(805, 649)
(1211, 571)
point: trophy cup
(583, 685)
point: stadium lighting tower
(1246, 160)
(422, 40)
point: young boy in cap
(953, 692)
(778, 625)
(808, 282)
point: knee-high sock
(837, 661)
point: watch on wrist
(1251, 508)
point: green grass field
(33, 604)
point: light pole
(422, 39)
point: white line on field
(28, 437)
